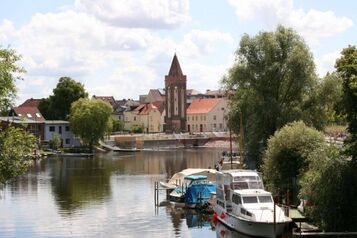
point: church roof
(175, 69)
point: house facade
(207, 115)
(61, 128)
(148, 115)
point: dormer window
(38, 115)
(29, 115)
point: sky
(124, 48)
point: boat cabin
(231, 180)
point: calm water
(106, 196)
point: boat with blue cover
(196, 191)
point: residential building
(35, 127)
(61, 128)
(176, 99)
(27, 112)
(206, 115)
(149, 115)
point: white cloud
(313, 24)
(141, 13)
(326, 62)
(109, 60)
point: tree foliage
(286, 158)
(137, 128)
(15, 147)
(272, 78)
(118, 125)
(58, 105)
(330, 186)
(323, 107)
(346, 67)
(9, 73)
(90, 120)
(55, 142)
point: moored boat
(242, 204)
(195, 191)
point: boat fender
(223, 216)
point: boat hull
(251, 228)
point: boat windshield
(255, 199)
(250, 200)
(265, 199)
(247, 185)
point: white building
(62, 129)
(207, 115)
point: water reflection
(78, 181)
(109, 195)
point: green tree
(346, 67)
(330, 187)
(8, 72)
(90, 120)
(137, 128)
(55, 143)
(286, 158)
(269, 84)
(15, 147)
(58, 105)
(118, 125)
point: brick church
(176, 99)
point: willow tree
(90, 119)
(15, 146)
(9, 73)
(269, 84)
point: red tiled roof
(144, 109)
(203, 105)
(108, 99)
(31, 113)
(32, 102)
(159, 105)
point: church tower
(176, 100)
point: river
(109, 195)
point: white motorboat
(242, 204)
(178, 179)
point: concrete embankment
(146, 141)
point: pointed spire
(175, 69)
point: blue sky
(124, 48)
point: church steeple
(175, 69)
(176, 99)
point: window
(265, 199)
(220, 126)
(52, 128)
(204, 117)
(250, 200)
(134, 118)
(20, 115)
(38, 115)
(236, 199)
(60, 129)
(193, 118)
(214, 117)
(67, 128)
(201, 118)
(29, 115)
(68, 141)
(214, 126)
(196, 118)
(188, 118)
